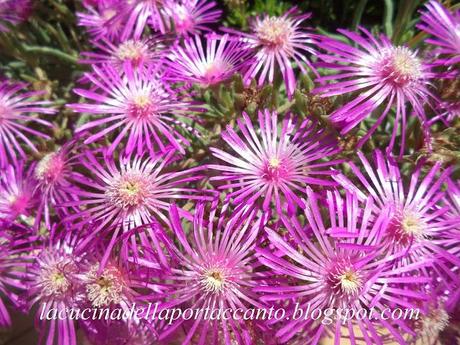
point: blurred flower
(14, 12)
(418, 223)
(217, 63)
(274, 163)
(383, 75)
(138, 103)
(140, 13)
(15, 110)
(17, 191)
(444, 26)
(190, 17)
(139, 53)
(278, 42)
(215, 269)
(340, 265)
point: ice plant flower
(13, 12)
(17, 191)
(128, 193)
(53, 286)
(444, 27)
(272, 162)
(418, 224)
(278, 42)
(16, 109)
(383, 76)
(190, 17)
(101, 19)
(221, 59)
(53, 173)
(336, 262)
(215, 269)
(133, 103)
(140, 13)
(138, 53)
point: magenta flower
(137, 104)
(272, 163)
(52, 285)
(190, 17)
(53, 175)
(132, 192)
(140, 13)
(17, 191)
(217, 63)
(14, 257)
(215, 268)
(14, 12)
(382, 74)
(139, 53)
(102, 20)
(337, 262)
(278, 42)
(444, 27)
(15, 111)
(418, 224)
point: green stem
(51, 51)
(388, 17)
(358, 14)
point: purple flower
(140, 13)
(102, 20)
(418, 223)
(215, 268)
(383, 75)
(191, 16)
(15, 111)
(337, 262)
(443, 25)
(53, 175)
(17, 191)
(139, 53)
(278, 42)
(274, 163)
(14, 12)
(217, 63)
(132, 192)
(137, 104)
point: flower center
(132, 50)
(401, 66)
(433, 323)
(214, 280)
(19, 203)
(130, 190)
(344, 280)
(54, 281)
(214, 71)
(274, 170)
(407, 226)
(105, 289)
(274, 31)
(141, 107)
(50, 168)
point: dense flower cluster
(199, 175)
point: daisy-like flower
(136, 103)
(272, 162)
(444, 26)
(140, 13)
(215, 269)
(102, 20)
(13, 12)
(132, 192)
(383, 76)
(53, 173)
(217, 63)
(278, 42)
(15, 111)
(138, 53)
(336, 262)
(190, 17)
(14, 258)
(17, 191)
(418, 224)
(52, 285)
